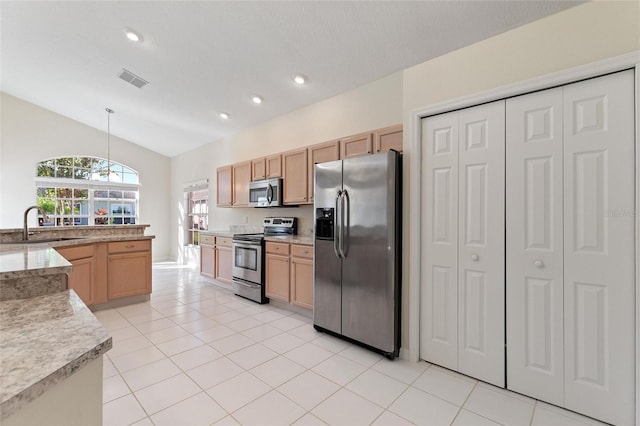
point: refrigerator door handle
(344, 224)
(336, 226)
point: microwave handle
(269, 193)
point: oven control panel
(280, 226)
(285, 222)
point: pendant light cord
(109, 112)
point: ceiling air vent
(130, 77)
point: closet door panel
(481, 243)
(439, 295)
(599, 247)
(534, 286)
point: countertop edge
(13, 404)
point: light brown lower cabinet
(277, 271)
(87, 276)
(128, 268)
(106, 271)
(207, 255)
(223, 260)
(289, 273)
(302, 275)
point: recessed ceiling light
(256, 99)
(223, 115)
(299, 79)
(133, 35)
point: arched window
(86, 191)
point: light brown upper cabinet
(388, 138)
(356, 145)
(321, 153)
(241, 179)
(224, 184)
(258, 169)
(274, 166)
(295, 176)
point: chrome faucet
(25, 230)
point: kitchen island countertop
(44, 340)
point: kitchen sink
(49, 240)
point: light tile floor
(195, 354)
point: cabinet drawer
(208, 240)
(77, 252)
(223, 242)
(129, 246)
(298, 250)
(278, 248)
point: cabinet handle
(475, 257)
(305, 251)
(130, 246)
(538, 263)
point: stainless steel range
(248, 257)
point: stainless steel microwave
(265, 193)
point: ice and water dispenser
(324, 223)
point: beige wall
(30, 134)
(374, 105)
(577, 36)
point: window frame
(192, 234)
(68, 210)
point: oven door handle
(246, 244)
(245, 284)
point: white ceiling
(204, 57)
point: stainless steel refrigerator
(357, 250)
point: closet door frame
(413, 174)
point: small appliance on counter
(248, 257)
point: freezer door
(327, 292)
(369, 270)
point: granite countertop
(221, 233)
(36, 259)
(44, 340)
(291, 239)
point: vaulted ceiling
(202, 58)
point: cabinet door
(258, 169)
(356, 145)
(599, 306)
(81, 279)
(302, 282)
(88, 276)
(241, 179)
(128, 274)
(207, 261)
(439, 295)
(224, 264)
(295, 176)
(388, 138)
(481, 293)
(535, 350)
(321, 153)
(224, 186)
(274, 166)
(277, 277)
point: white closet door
(599, 247)
(535, 357)
(439, 295)
(481, 243)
